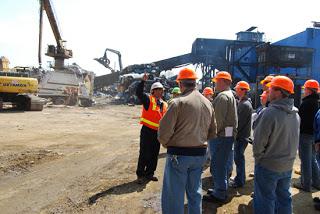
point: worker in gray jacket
(275, 145)
(225, 107)
(244, 133)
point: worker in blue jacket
(316, 129)
(310, 174)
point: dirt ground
(83, 160)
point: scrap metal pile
(121, 84)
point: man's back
(190, 117)
(244, 118)
(276, 136)
(307, 112)
(225, 106)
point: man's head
(175, 92)
(222, 81)
(208, 93)
(242, 89)
(265, 81)
(187, 84)
(310, 87)
(157, 90)
(186, 79)
(280, 87)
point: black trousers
(149, 151)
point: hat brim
(248, 89)
(178, 80)
(303, 87)
(270, 86)
(157, 88)
(214, 79)
(262, 82)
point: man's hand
(317, 146)
(145, 77)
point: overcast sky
(143, 30)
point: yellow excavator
(17, 88)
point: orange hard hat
(187, 74)
(207, 91)
(243, 85)
(266, 80)
(222, 75)
(313, 84)
(282, 82)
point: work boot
(299, 185)
(316, 200)
(152, 178)
(213, 199)
(233, 184)
(316, 187)
(140, 180)
(209, 191)
(252, 195)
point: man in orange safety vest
(153, 110)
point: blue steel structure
(310, 38)
(249, 58)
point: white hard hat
(156, 85)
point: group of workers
(220, 122)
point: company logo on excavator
(14, 83)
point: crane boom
(46, 5)
(58, 52)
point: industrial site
(75, 141)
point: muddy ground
(83, 160)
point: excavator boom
(105, 61)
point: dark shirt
(307, 112)
(244, 118)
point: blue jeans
(229, 162)
(239, 159)
(272, 191)
(220, 149)
(309, 165)
(182, 174)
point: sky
(143, 30)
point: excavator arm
(105, 61)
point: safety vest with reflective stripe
(152, 117)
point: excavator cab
(20, 90)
